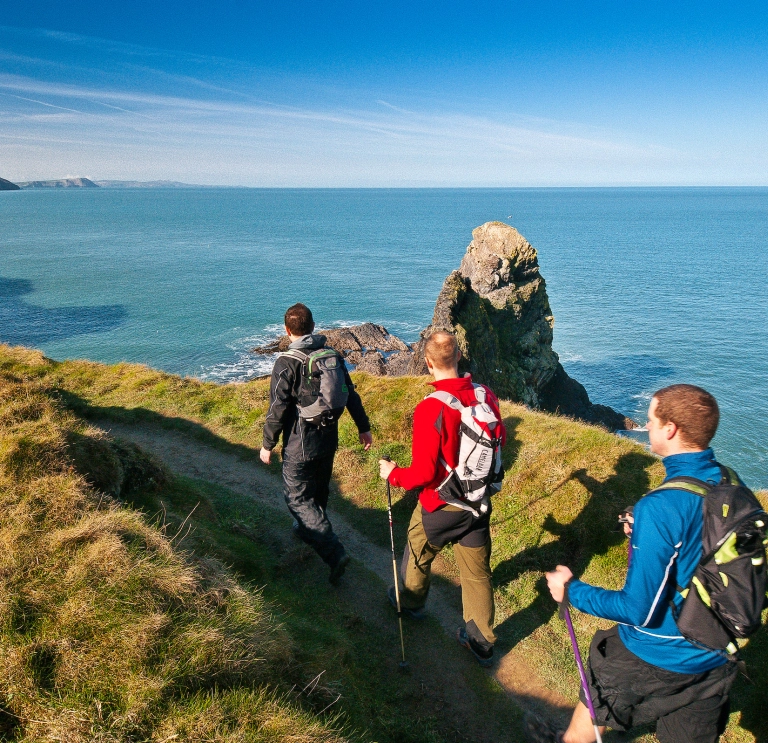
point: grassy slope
(107, 632)
(564, 485)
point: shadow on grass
(589, 534)
(748, 694)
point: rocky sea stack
(496, 304)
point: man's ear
(670, 430)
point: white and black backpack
(479, 471)
(323, 392)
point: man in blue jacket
(643, 670)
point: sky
(395, 94)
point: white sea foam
(566, 357)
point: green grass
(565, 484)
(107, 631)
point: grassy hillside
(98, 601)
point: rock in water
(364, 346)
(497, 305)
(8, 186)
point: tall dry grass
(107, 631)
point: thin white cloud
(234, 137)
(42, 103)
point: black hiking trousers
(306, 488)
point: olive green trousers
(474, 572)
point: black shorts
(627, 692)
(452, 524)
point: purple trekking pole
(565, 613)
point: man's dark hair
(693, 410)
(298, 319)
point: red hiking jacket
(436, 435)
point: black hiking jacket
(302, 441)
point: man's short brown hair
(693, 410)
(298, 319)
(442, 349)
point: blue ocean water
(648, 286)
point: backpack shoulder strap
(691, 484)
(448, 399)
(296, 354)
(728, 476)
(479, 393)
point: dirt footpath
(192, 458)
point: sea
(648, 286)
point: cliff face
(497, 305)
(7, 185)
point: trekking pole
(403, 663)
(565, 613)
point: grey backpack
(323, 392)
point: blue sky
(390, 94)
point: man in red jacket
(436, 523)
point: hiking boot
(537, 730)
(483, 657)
(412, 613)
(338, 569)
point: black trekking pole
(565, 613)
(403, 663)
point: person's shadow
(592, 532)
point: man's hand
(366, 440)
(265, 455)
(556, 581)
(385, 468)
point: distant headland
(88, 183)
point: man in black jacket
(308, 449)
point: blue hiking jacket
(666, 548)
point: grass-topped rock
(497, 305)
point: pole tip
(403, 666)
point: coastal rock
(8, 186)
(368, 347)
(399, 364)
(497, 305)
(278, 346)
(371, 362)
(367, 336)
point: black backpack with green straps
(323, 392)
(727, 593)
